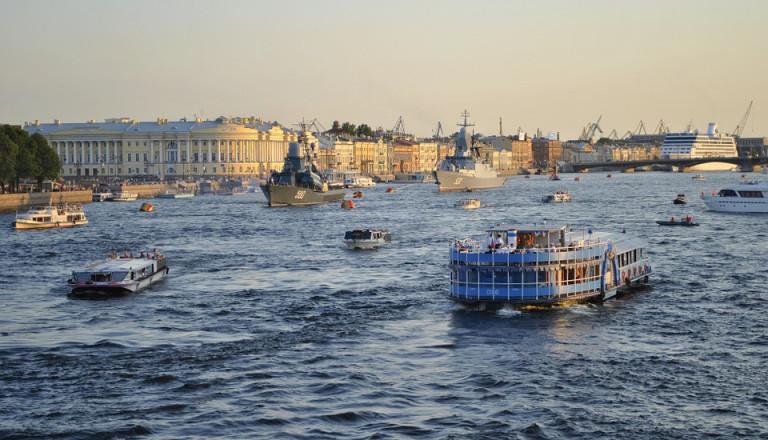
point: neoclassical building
(122, 147)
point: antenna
(465, 115)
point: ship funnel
(294, 150)
(712, 130)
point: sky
(548, 65)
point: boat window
(751, 194)
(119, 276)
(100, 276)
(82, 277)
(727, 193)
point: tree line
(24, 157)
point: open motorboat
(468, 203)
(698, 177)
(367, 238)
(51, 216)
(685, 221)
(680, 200)
(118, 275)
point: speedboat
(51, 216)
(540, 264)
(468, 203)
(367, 238)
(680, 200)
(118, 275)
(698, 177)
(557, 197)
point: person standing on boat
(499, 242)
(491, 242)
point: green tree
(26, 163)
(47, 159)
(364, 130)
(348, 128)
(8, 152)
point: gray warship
(300, 182)
(466, 170)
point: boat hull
(458, 181)
(735, 204)
(682, 223)
(109, 289)
(289, 195)
(26, 224)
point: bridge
(744, 163)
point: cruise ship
(694, 145)
(465, 170)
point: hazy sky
(548, 65)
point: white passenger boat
(101, 196)
(557, 197)
(530, 265)
(118, 275)
(51, 216)
(123, 197)
(367, 238)
(468, 203)
(173, 194)
(749, 196)
(358, 181)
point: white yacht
(748, 196)
(468, 203)
(123, 197)
(694, 145)
(358, 181)
(557, 197)
(118, 275)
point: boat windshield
(357, 235)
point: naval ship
(466, 170)
(300, 182)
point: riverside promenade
(22, 201)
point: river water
(268, 327)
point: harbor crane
(438, 131)
(589, 131)
(661, 128)
(740, 127)
(641, 128)
(399, 128)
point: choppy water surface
(268, 327)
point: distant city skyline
(553, 66)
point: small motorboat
(367, 238)
(357, 194)
(557, 197)
(698, 177)
(680, 200)
(686, 221)
(467, 203)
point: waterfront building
(123, 147)
(512, 152)
(404, 156)
(546, 151)
(752, 147)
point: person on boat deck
(499, 242)
(672, 219)
(491, 242)
(688, 218)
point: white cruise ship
(695, 145)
